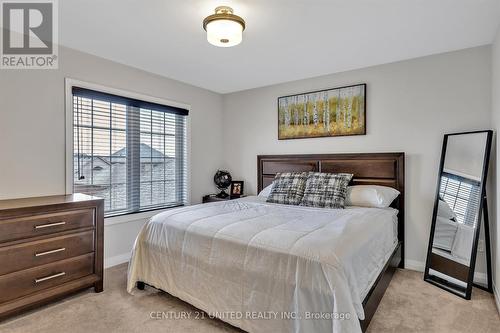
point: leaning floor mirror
(459, 209)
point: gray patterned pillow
(288, 188)
(326, 190)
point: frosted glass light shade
(224, 33)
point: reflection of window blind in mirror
(463, 197)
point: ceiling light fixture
(224, 29)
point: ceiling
(285, 40)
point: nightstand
(214, 198)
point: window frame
(69, 83)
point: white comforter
(267, 267)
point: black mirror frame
(470, 280)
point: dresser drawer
(26, 255)
(43, 224)
(29, 281)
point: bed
(268, 267)
(446, 231)
(452, 239)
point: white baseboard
(497, 297)
(414, 265)
(116, 260)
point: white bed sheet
(240, 258)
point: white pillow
(371, 196)
(266, 191)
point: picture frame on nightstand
(236, 188)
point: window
(462, 195)
(132, 153)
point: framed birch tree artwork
(333, 112)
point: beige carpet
(409, 305)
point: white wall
(410, 105)
(32, 129)
(495, 167)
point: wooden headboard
(386, 169)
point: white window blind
(463, 197)
(132, 153)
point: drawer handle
(41, 226)
(39, 254)
(50, 277)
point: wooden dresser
(49, 248)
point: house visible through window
(130, 152)
(462, 195)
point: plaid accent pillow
(288, 188)
(326, 190)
